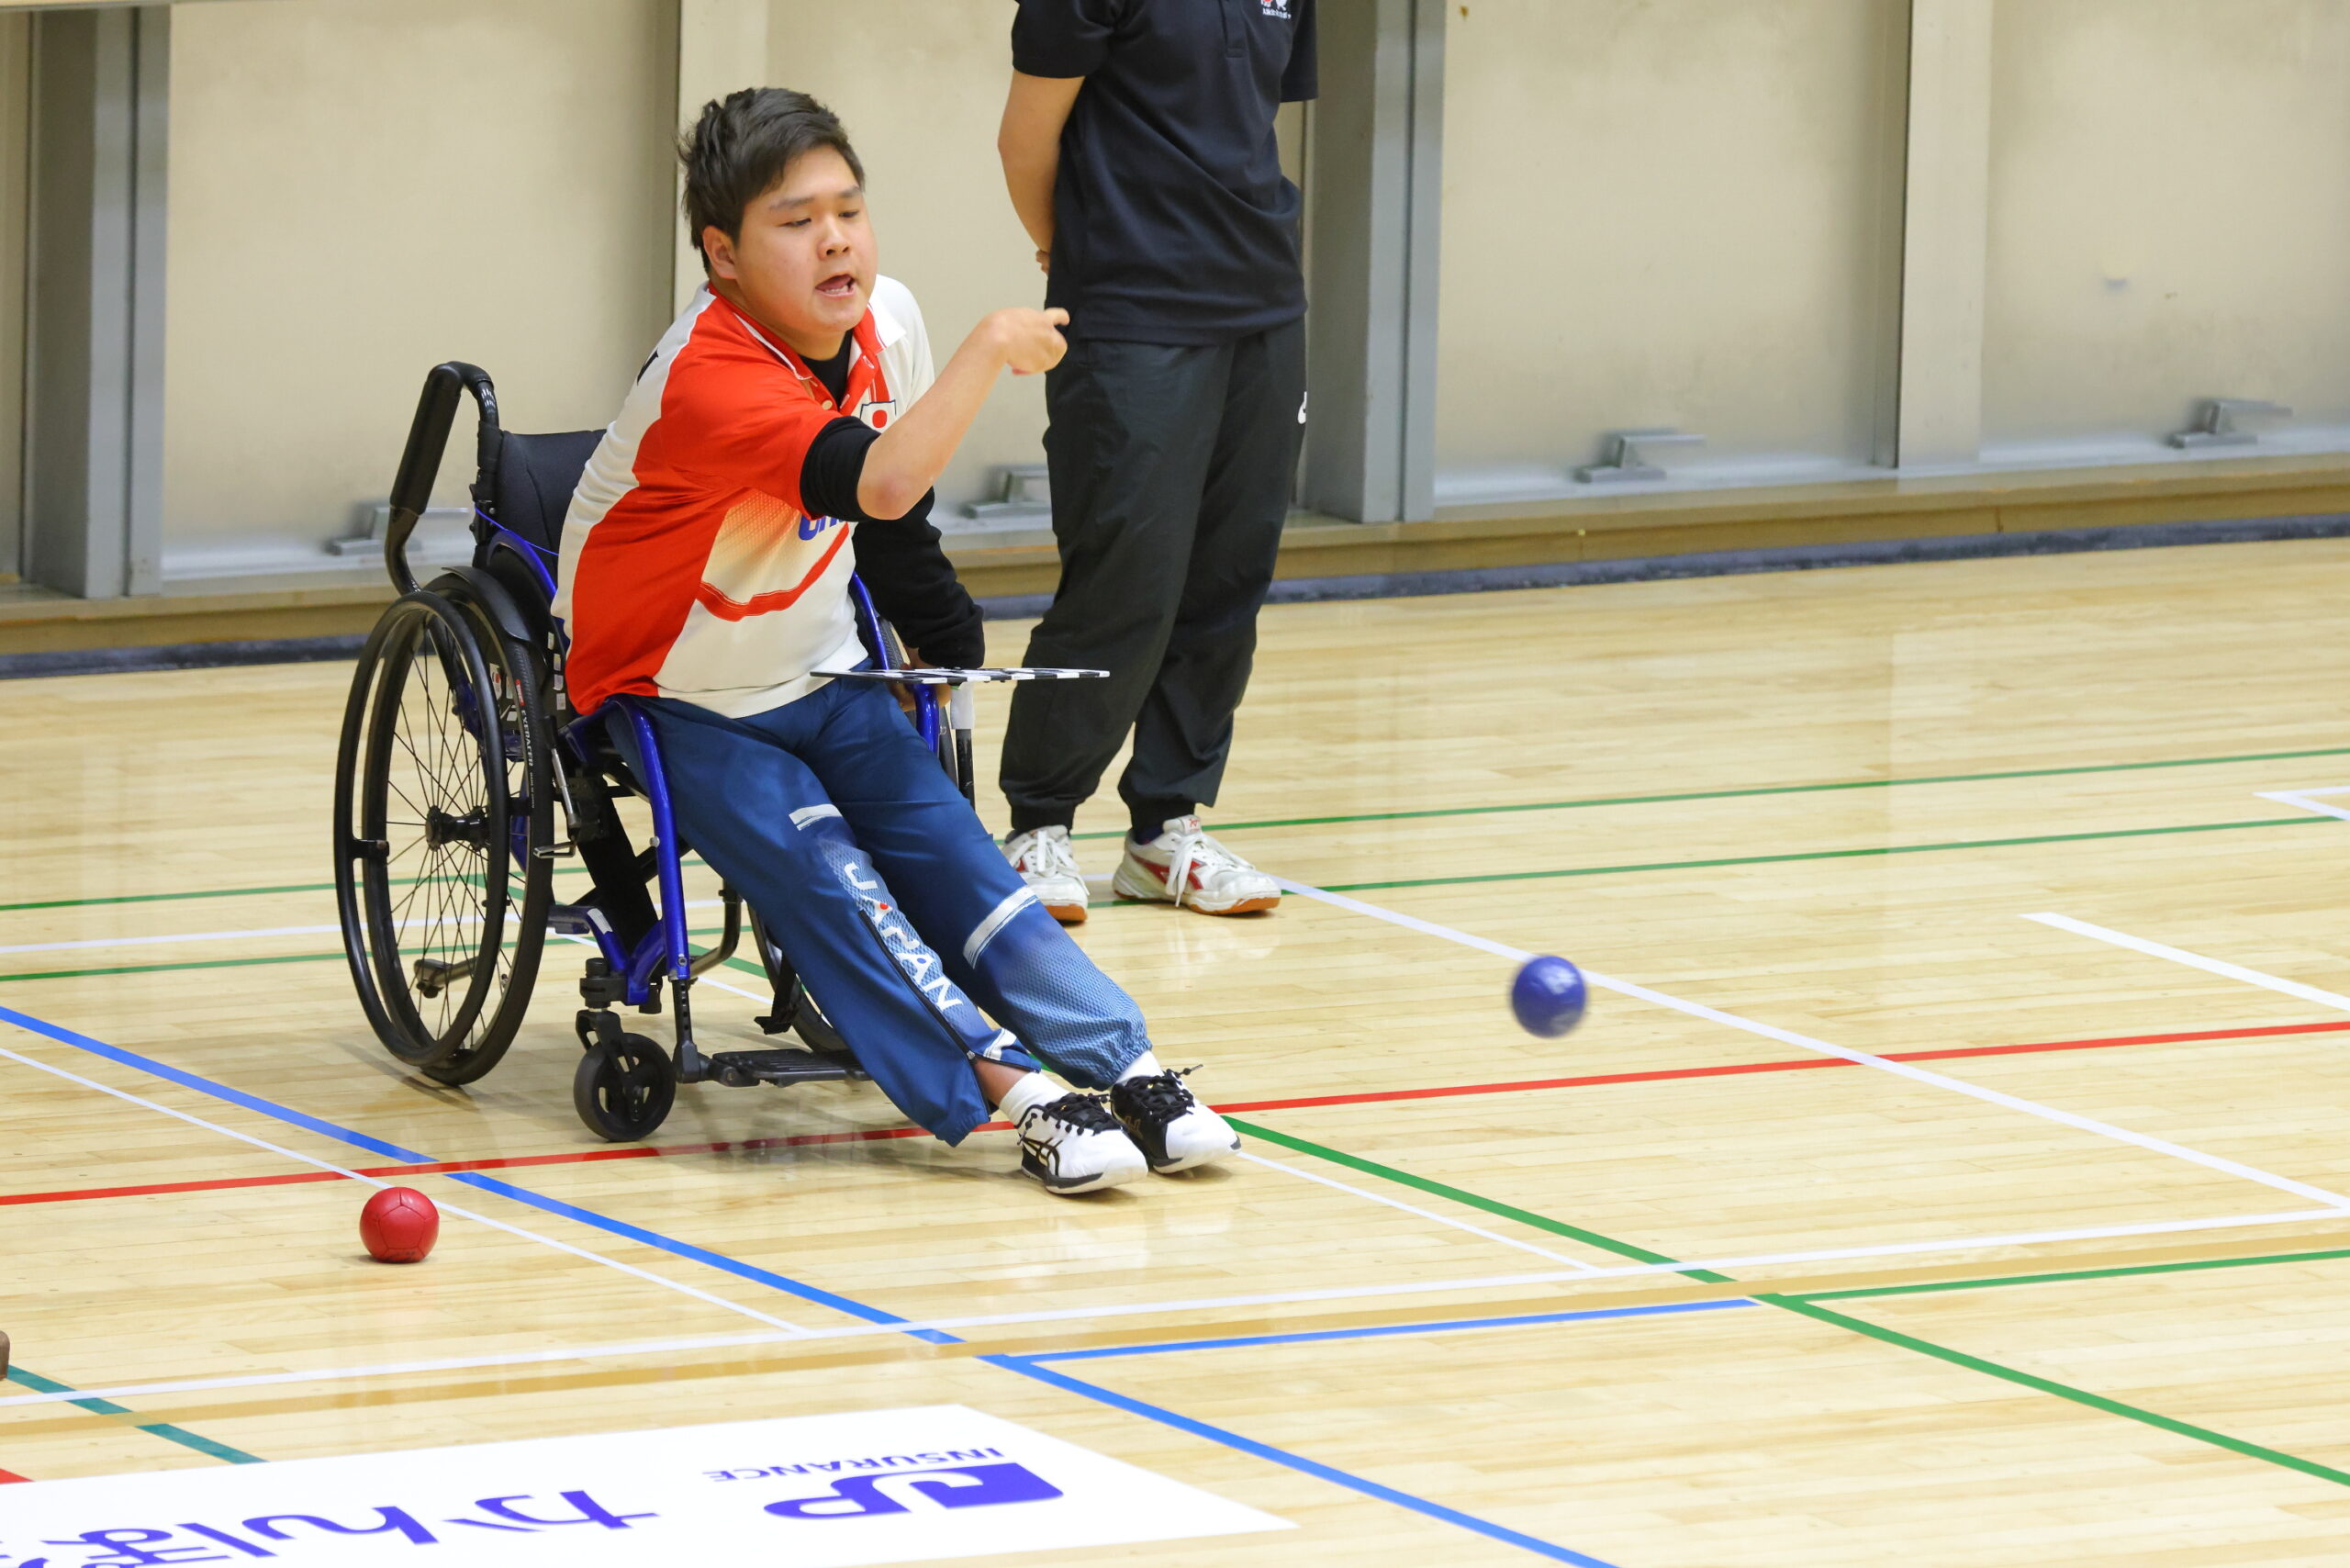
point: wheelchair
(464, 776)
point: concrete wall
(1656, 212)
(1667, 213)
(360, 188)
(921, 84)
(2170, 220)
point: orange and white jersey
(690, 568)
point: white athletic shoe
(1048, 864)
(1186, 868)
(1073, 1145)
(1174, 1131)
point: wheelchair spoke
(436, 780)
(430, 885)
(423, 773)
(399, 910)
(393, 784)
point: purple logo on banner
(976, 1486)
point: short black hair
(740, 147)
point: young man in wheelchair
(787, 430)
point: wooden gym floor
(1954, 1169)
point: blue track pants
(906, 923)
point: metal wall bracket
(1623, 463)
(2216, 425)
(1026, 499)
(443, 537)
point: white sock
(1033, 1090)
(1144, 1065)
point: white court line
(1424, 1213)
(754, 996)
(2334, 1209)
(1134, 1309)
(158, 941)
(1844, 1053)
(2195, 960)
(699, 979)
(634, 1349)
(2306, 800)
(629, 1269)
(238, 935)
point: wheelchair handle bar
(427, 439)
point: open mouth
(840, 286)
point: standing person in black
(1138, 145)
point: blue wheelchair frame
(591, 757)
(666, 942)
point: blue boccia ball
(1547, 996)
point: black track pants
(1171, 473)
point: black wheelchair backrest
(524, 480)
(531, 485)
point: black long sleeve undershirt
(900, 559)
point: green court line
(1806, 1307)
(1823, 855)
(1438, 812)
(2129, 1270)
(1413, 882)
(743, 964)
(1473, 1200)
(1758, 789)
(165, 968)
(2063, 1391)
(162, 1430)
(218, 893)
(171, 898)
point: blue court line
(394, 1152)
(1389, 1330)
(162, 1430)
(1023, 1367)
(686, 1249)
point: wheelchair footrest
(740, 1069)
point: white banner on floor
(811, 1491)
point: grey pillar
(93, 423)
(1946, 228)
(1376, 156)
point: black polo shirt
(1172, 220)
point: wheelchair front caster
(623, 1088)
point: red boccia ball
(400, 1225)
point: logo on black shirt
(1278, 8)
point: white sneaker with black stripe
(1074, 1144)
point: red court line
(1442, 1092)
(447, 1166)
(9, 1476)
(222, 1185)
(1733, 1070)
(642, 1151)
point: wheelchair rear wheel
(442, 804)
